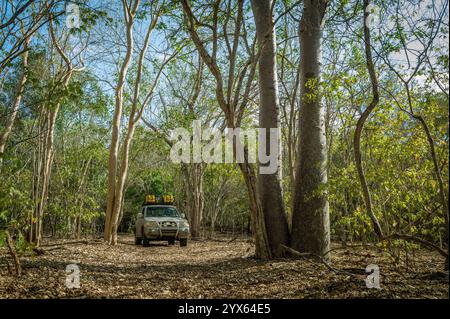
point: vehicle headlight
(184, 224)
(151, 224)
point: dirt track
(214, 269)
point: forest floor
(215, 269)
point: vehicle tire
(183, 242)
(137, 240)
(171, 241)
(145, 241)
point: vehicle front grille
(168, 228)
(168, 224)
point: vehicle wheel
(171, 241)
(137, 240)
(145, 241)
(183, 242)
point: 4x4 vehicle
(160, 220)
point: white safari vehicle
(159, 219)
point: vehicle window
(161, 212)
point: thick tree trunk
(269, 184)
(310, 220)
(262, 249)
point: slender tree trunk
(15, 108)
(114, 147)
(118, 198)
(13, 253)
(193, 184)
(134, 117)
(197, 197)
(262, 248)
(269, 184)
(37, 151)
(437, 172)
(46, 173)
(46, 166)
(310, 219)
(362, 121)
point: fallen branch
(302, 255)
(84, 241)
(417, 240)
(13, 253)
(352, 247)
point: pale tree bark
(229, 104)
(136, 112)
(84, 169)
(269, 184)
(310, 219)
(46, 173)
(197, 193)
(216, 207)
(129, 14)
(193, 176)
(15, 108)
(47, 151)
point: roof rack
(158, 200)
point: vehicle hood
(163, 219)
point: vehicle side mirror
(140, 215)
(183, 215)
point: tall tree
(310, 219)
(140, 98)
(361, 121)
(269, 183)
(129, 11)
(232, 103)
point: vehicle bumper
(165, 234)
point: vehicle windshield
(161, 212)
